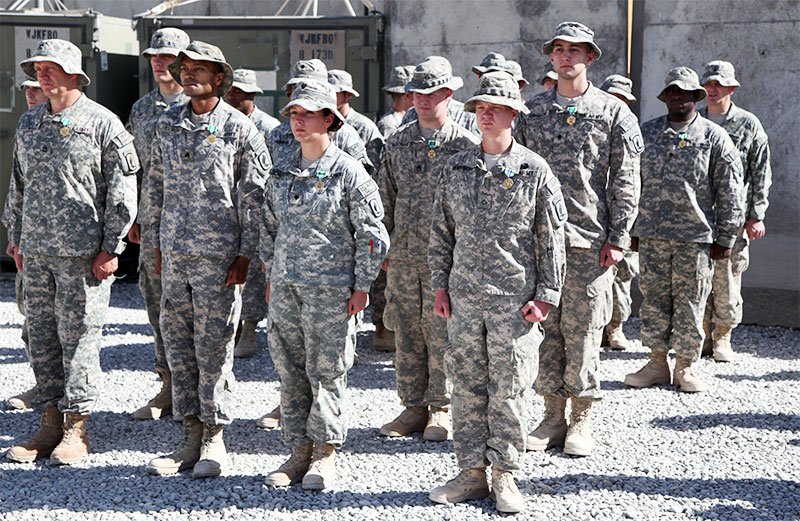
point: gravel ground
(730, 453)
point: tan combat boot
(247, 344)
(469, 484)
(412, 419)
(47, 437)
(74, 444)
(161, 404)
(213, 456)
(293, 469)
(271, 420)
(685, 377)
(321, 472)
(553, 429)
(723, 352)
(187, 453)
(708, 344)
(438, 425)
(383, 340)
(579, 435)
(505, 492)
(23, 400)
(616, 337)
(656, 372)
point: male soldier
(515, 70)
(165, 44)
(549, 79)
(412, 160)
(34, 95)
(206, 185)
(342, 83)
(494, 61)
(254, 308)
(724, 307)
(72, 199)
(625, 270)
(592, 142)
(691, 212)
(401, 100)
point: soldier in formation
(401, 100)
(342, 83)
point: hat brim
(247, 87)
(453, 83)
(699, 92)
(311, 106)
(29, 83)
(152, 51)
(515, 104)
(500, 69)
(396, 89)
(725, 82)
(27, 68)
(340, 88)
(627, 95)
(479, 70)
(547, 48)
(175, 69)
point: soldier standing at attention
(691, 212)
(549, 79)
(322, 244)
(724, 307)
(165, 44)
(254, 308)
(497, 255)
(412, 160)
(342, 83)
(71, 201)
(592, 143)
(206, 186)
(401, 100)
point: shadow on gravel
(13, 355)
(124, 328)
(775, 422)
(126, 295)
(623, 355)
(769, 377)
(613, 385)
(361, 440)
(127, 357)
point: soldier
(494, 61)
(515, 69)
(71, 201)
(549, 79)
(497, 254)
(205, 186)
(317, 285)
(342, 82)
(592, 142)
(724, 307)
(34, 95)
(412, 160)
(401, 100)
(165, 44)
(625, 270)
(691, 212)
(254, 307)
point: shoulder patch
(553, 186)
(128, 159)
(631, 134)
(367, 188)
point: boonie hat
(618, 84)
(548, 73)
(245, 80)
(168, 40)
(434, 73)
(721, 71)
(515, 69)
(499, 88)
(29, 82)
(341, 81)
(574, 32)
(312, 69)
(494, 61)
(202, 51)
(313, 95)
(65, 54)
(685, 79)
(397, 82)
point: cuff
(619, 239)
(439, 281)
(362, 285)
(756, 214)
(545, 294)
(113, 245)
(726, 240)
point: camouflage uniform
(389, 123)
(342, 81)
(392, 120)
(281, 142)
(455, 111)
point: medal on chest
(571, 118)
(320, 184)
(212, 137)
(682, 143)
(432, 144)
(64, 130)
(508, 182)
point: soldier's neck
(723, 107)
(203, 105)
(574, 87)
(345, 109)
(170, 88)
(63, 100)
(497, 143)
(316, 148)
(433, 123)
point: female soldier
(322, 244)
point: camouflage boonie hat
(618, 84)
(494, 61)
(434, 73)
(202, 51)
(245, 80)
(312, 69)
(548, 73)
(313, 95)
(29, 82)
(168, 40)
(499, 88)
(721, 71)
(685, 79)
(515, 69)
(341, 81)
(397, 82)
(61, 52)
(573, 32)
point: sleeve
(154, 187)
(549, 246)
(442, 238)
(12, 213)
(519, 130)
(726, 175)
(120, 164)
(254, 166)
(624, 183)
(758, 166)
(129, 127)
(371, 237)
(268, 228)
(355, 148)
(388, 189)
(374, 148)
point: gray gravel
(732, 453)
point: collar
(217, 117)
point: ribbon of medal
(212, 138)
(432, 144)
(682, 143)
(64, 130)
(508, 182)
(571, 117)
(320, 184)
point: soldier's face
(549, 83)
(342, 98)
(200, 79)
(569, 59)
(401, 102)
(432, 106)
(307, 125)
(159, 64)
(494, 119)
(718, 93)
(241, 100)
(53, 80)
(34, 96)
(680, 103)
(622, 98)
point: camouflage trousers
(150, 286)
(624, 273)
(199, 315)
(20, 294)
(569, 357)
(675, 282)
(418, 335)
(491, 360)
(254, 306)
(377, 298)
(724, 306)
(65, 307)
(312, 341)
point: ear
(220, 77)
(591, 58)
(449, 93)
(329, 119)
